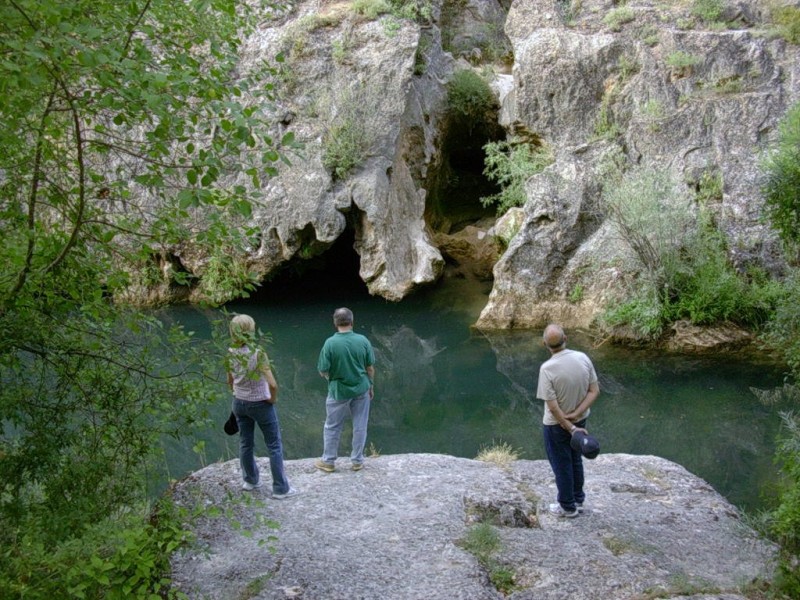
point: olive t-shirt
(565, 377)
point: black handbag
(231, 427)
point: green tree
(123, 121)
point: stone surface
(572, 72)
(716, 116)
(395, 531)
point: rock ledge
(394, 531)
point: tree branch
(32, 198)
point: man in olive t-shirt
(347, 362)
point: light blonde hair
(242, 328)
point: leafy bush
(604, 126)
(787, 19)
(686, 272)
(681, 63)
(708, 289)
(784, 521)
(709, 11)
(783, 331)
(782, 183)
(652, 219)
(710, 187)
(469, 96)
(344, 147)
(782, 190)
(511, 163)
(643, 313)
(680, 59)
(224, 272)
(371, 8)
(420, 11)
(617, 17)
(117, 558)
(135, 106)
(351, 131)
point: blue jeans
(336, 412)
(263, 413)
(567, 465)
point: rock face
(397, 530)
(670, 93)
(649, 81)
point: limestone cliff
(711, 114)
(657, 83)
(396, 531)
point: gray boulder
(397, 530)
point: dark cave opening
(333, 273)
(456, 188)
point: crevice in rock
(500, 514)
(457, 185)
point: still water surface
(442, 387)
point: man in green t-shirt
(347, 361)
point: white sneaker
(558, 511)
(251, 486)
(289, 494)
(579, 507)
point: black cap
(585, 443)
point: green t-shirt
(345, 357)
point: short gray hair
(342, 317)
(554, 337)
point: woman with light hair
(255, 392)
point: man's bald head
(554, 337)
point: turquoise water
(443, 387)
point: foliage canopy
(122, 123)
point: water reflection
(442, 387)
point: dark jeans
(567, 465)
(248, 414)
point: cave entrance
(456, 188)
(332, 274)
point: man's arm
(588, 400)
(371, 375)
(562, 419)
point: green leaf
(244, 208)
(187, 199)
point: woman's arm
(271, 382)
